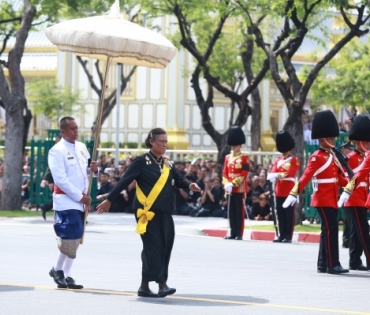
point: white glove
(272, 177)
(43, 183)
(289, 201)
(343, 198)
(229, 187)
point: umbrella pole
(97, 137)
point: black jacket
(146, 173)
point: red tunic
(328, 181)
(359, 195)
(287, 169)
(362, 175)
(236, 168)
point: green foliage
(128, 145)
(49, 12)
(225, 60)
(107, 144)
(346, 80)
(48, 98)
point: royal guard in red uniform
(283, 173)
(327, 176)
(355, 194)
(234, 178)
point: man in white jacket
(69, 163)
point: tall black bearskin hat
(324, 125)
(360, 130)
(284, 141)
(236, 136)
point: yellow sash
(144, 215)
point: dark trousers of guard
(329, 248)
(285, 219)
(236, 215)
(359, 238)
(157, 246)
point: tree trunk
(294, 126)
(27, 118)
(223, 150)
(12, 180)
(256, 120)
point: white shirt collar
(68, 144)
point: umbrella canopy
(112, 36)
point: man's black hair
(63, 123)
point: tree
(50, 99)
(345, 82)
(109, 101)
(224, 52)
(17, 19)
(298, 20)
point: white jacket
(68, 163)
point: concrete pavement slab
(212, 275)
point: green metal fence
(39, 167)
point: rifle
(274, 213)
(350, 115)
(343, 159)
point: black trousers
(347, 217)
(157, 247)
(359, 238)
(236, 214)
(329, 248)
(285, 219)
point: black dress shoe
(72, 284)
(239, 238)
(359, 267)
(58, 277)
(166, 291)
(286, 241)
(146, 293)
(321, 270)
(278, 240)
(337, 270)
(229, 237)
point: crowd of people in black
(210, 202)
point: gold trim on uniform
(238, 181)
(295, 190)
(350, 186)
(282, 175)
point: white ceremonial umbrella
(112, 39)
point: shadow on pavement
(8, 288)
(205, 300)
(184, 299)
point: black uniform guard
(154, 174)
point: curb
(255, 235)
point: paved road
(212, 275)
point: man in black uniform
(154, 205)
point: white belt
(316, 182)
(362, 184)
(326, 180)
(292, 179)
